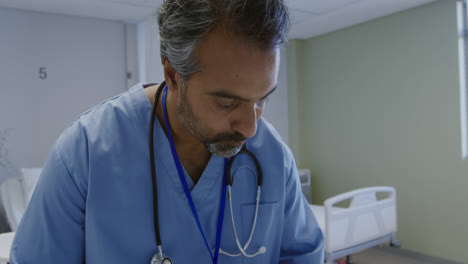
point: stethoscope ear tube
(153, 166)
(244, 150)
(159, 257)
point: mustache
(236, 136)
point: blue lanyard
(187, 192)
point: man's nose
(246, 121)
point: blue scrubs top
(93, 202)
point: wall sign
(42, 73)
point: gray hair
(183, 23)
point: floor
(388, 255)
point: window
(463, 62)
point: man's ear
(171, 76)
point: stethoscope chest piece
(158, 259)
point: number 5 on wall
(42, 73)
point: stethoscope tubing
(243, 249)
(153, 166)
(244, 150)
(229, 182)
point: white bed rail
(367, 218)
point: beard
(217, 144)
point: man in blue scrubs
(94, 200)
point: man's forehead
(220, 44)
(229, 94)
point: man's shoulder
(107, 114)
(265, 127)
(109, 127)
(107, 122)
(266, 131)
(268, 139)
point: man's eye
(226, 103)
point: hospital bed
(368, 220)
(15, 193)
(357, 220)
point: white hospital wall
(379, 105)
(276, 108)
(149, 58)
(131, 55)
(85, 64)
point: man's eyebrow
(228, 95)
(270, 92)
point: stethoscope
(160, 257)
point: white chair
(16, 193)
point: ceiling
(310, 18)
